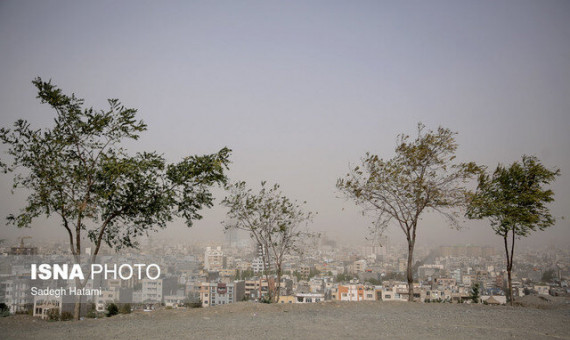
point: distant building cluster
(213, 275)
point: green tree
(4, 310)
(475, 294)
(77, 170)
(514, 200)
(112, 309)
(273, 220)
(548, 275)
(344, 277)
(420, 177)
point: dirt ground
(331, 320)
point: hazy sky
(298, 89)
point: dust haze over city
(301, 90)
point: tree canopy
(78, 170)
(422, 176)
(515, 202)
(273, 220)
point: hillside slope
(363, 320)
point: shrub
(53, 314)
(92, 314)
(112, 309)
(4, 310)
(197, 304)
(125, 308)
(65, 316)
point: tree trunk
(510, 286)
(78, 285)
(267, 268)
(509, 265)
(77, 309)
(278, 285)
(410, 273)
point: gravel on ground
(330, 320)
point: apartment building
(17, 297)
(214, 259)
(219, 293)
(151, 292)
(351, 292)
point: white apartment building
(309, 298)
(18, 297)
(151, 292)
(213, 259)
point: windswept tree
(515, 202)
(78, 171)
(421, 177)
(276, 223)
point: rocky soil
(331, 320)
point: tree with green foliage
(272, 220)
(475, 295)
(78, 171)
(343, 277)
(421, 177)
(548, 275)
(244, 274)
(313, 272)
(514, 200)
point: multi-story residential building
(396, 292)
(359, 266)
(351, 292)
(316, 285)
(18, 297)
(402, 265)
(372, 293)
(218, 293)
(213, 259)
(256, 288)
(456, 275)
(305, 270)
(151, 292)
(227, 273)
(469, 280)
(257, 265)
